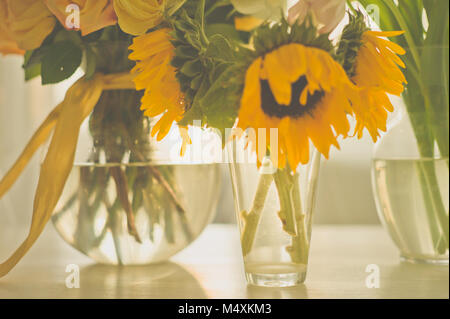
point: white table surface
(212, 268)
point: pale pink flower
(327, 14)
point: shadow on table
(163, 281)
(298, 292)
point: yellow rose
(7, 43)
(94, 14)
(137, 16)
(30, 22)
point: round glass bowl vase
(129, 199)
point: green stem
(168, 224)
(432, 221)
(120, 180)
(150, 213)
(176, 7)
(251, 219)
(287, 211)
(299, 250)
(290, 203)
(437, 215)
(113, 224)
(68, 205)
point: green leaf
(66, 35)
(185, 52)
(32, 63)
(220, 104)
(191, 68)
(412, 11)
(387, 19)
(34, 56)
(91, 63)
(32, 71)
(196, 82)
(434, 66)
(60, 62)
(219, 49)
(227, 30)
(27, 56)
(200, 14)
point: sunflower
(155, 74)
(377, 73)
(304, 93)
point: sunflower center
(295, 109)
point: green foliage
(426, 60)
(427, 93)
(212, 60)
(32, 68)
(350, 42)
(60, 62)
(268, 37)
(91, 62)
(204, 58)
(63, 51)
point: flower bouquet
(117, 196)
(277, 85)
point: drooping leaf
(32, 71)
(60, 62)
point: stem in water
(122, 192)
(251, 218)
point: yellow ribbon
(64, 121)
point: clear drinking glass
(274, 211)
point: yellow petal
(278, 79)
(247, 23)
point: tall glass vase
(411, 191)
(274, 211)
(411, 162)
